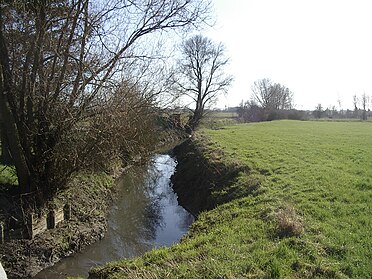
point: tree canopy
(64, 94)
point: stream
(145, 215)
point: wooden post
(67, 211)
(2, 233)
(30, 226)
(51, 219)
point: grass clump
(289, 222)
(299, 208)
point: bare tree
(200, 75)
(61, 62)
(339, 102)
(318, 112)
(364, 102)
(355, 103)
(272, 96)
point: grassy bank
(300, 207)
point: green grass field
(301, 208)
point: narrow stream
(145, 215)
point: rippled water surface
(145, 215)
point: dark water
(145, 215)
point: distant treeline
(253, 113)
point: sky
(320, 49)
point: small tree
(200, 75)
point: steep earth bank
(202, 176)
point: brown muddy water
(145, 215)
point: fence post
(30, 226)
(67, 211)
(2, 236)
(51, 219)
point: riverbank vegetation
(299, 207)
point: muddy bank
(202, 175)
(89, 195)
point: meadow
(319, 174)
(301, 207)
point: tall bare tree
(200, 75)
(61, 62)
(318, 112)
(364, 102)
(272, 96)
(355, 103)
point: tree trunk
(15, 147)
(194, 120)
(5, 157)
(10, 129)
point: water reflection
(146, 215)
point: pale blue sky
(320, 49)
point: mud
(25, 258)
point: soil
(91, 198)
(25, 258)
(199, 178)
(191, 179)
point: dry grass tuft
(289, 222)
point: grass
(215, 120)
(307, 216)
(8, 175)
(222, 114)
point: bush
(254, 113)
